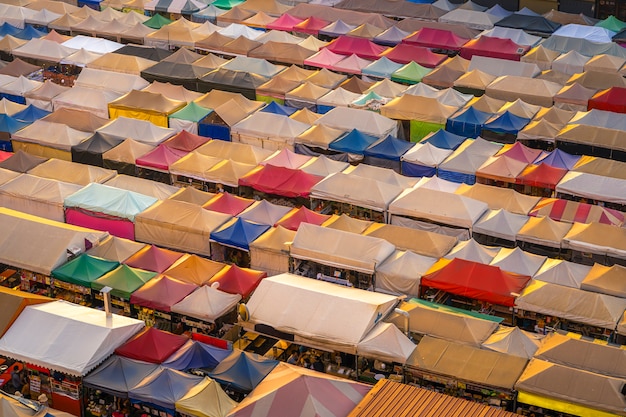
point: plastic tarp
(80, 337)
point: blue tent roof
(10, 124)
(8, 29)
(243, 370)
(382, 67)
(389, 148)
(194, 355)
(354, 142)
(29, 32)
(119, 374)
(443, 139)
(499, 11)
(31, 113)
(506, 122)
(468, 122)
(239, 234)
(164, 387)
(558, 159)
(276, 108)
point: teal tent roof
(612, 23)
(192, 112)
(84, 269)
(382, 67)
(110, 200)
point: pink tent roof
(352, 64)
(293, 219)
(520, 152)
(285, 22)
(404, 53)
(236, 280)
(312, 25)
(325, 58)
(151, 345)
(153, 258)
(288, 159)
(502, 168)
(493, 48)
(347, 45)
(161, 293)
(436, 38)
(185, 141)
(160, 157)
(228, 203)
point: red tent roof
(404, 53)
(160, 157)
(280, 181)
(161, 293)
(573, 211)
(312, 25)
(185, 141)
(151, 345)
(236, 280)
(348, 45)
(285, 22)
(5, 155)
(436, 38)
(542, 175)
(153, 258)
(494, 48)
(474, 280)
(228, 204)
(293, 219)
(612, 99)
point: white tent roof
(499, 67)
(571, 62)
(110, 80)
(42, 17)
(471, 250)
(235, 30)
(514, 341)
(518, 261)
(516, 35)
(558, 271)
(43, 49)
(572, 304)
(206, 303)
(340, 249)
(387, 343)
(468, 157)
(471, 18)
(89, 99)
(140, 130)
(590, 33)
(447, 96)
(54, 135)
(380, 174)
(269, 125)
(20, 86)
(426, 154)
(436, 183)
(597, 118)
(80, 58)
(400, 273)
(438, 206)
(319, 311)
(323, 166)
(500, 223)
(346, 188)
(596, 187)
(144, 186)
(77, 338)
(338, 97)
(264, 212)
(364, 120)
(91, 44)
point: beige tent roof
(386, 88)
(271, 7)
(205, 399)
(295, 73)
(305, 115)
(539, 130)
(467, 363)
(110, 80)
(572, 304)
(10, 107)
(513, 341)
(531, 90)
(158, 190)
(598, 80)
(173, 92)
(543, 231)
(323, 166)
(442, 77)
(498, 197)
(72, 172)
(384, 175)
(558, 271)
(145, 101)
(238, 152)
(66, 22)
(593, 135)
(347, 223)
(366, 30)
(540, 56)
(210, 61)
(555, 115)
(574, 94)
(8, 43)
(572, 386)
(276, 239)
(605, 63)
(277, 85)
(520, 108)
(116, 248)
(127, 151)
(486, 104)
(312, 43)
(601, 166)
(194, 269)
(307, 91)
(419, 241)
(425, 109)
(569, 350)
(594, 237)
(283, 52)
(340, 249)
(192, 195)
(609, 280)
(193, 165)
(228, 172)
(127, 64)
(319, 135)
(215, 98)
(178, 225)
(326, 78)
(54, 135)
(7, 175)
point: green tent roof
(157, 21)
(226, 4)
(192, 112)
(84, 269)
(411, 73)
(124, 280)
(612, 23)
